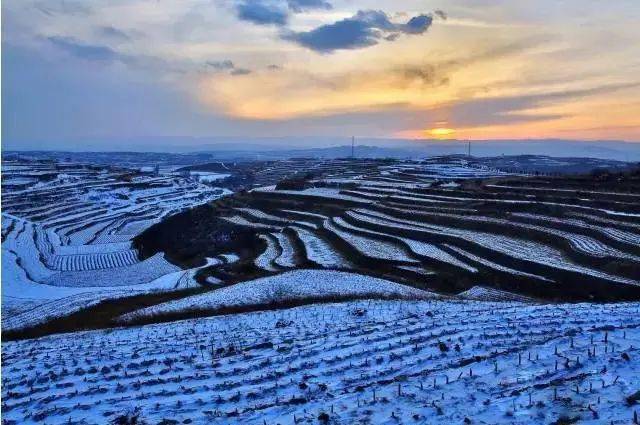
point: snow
(422, 248)
(518, 248)
(32, 303)
(306, 213)
(487, 355)
(598, 219)
(266, 258)
(229, 257)
(241, 221)
(287, 257)
(36, 303)
(570, 191)
(93, 249)
(207, 177)
(129, 275)
(359, 362)
(67, 242)
(298, 284)
(261, 215)
(620, 213)
(426, 199)
(433, 252)
(321, 192)
(612, 232)
(622, 236)
(79, 262)
(482, 293)
(582, 243)
(368, 247)
(493, 265)
(319, 251)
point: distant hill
(524, 155)
(323, 147)
(403, 148)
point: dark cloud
(84, 51)
(501, 51)
(274, 12)
(470, 113)
(418, 24)
(435, 74)
(440, 14)
(303, 5)
(114, 33)
(366, 28)
(224, 65)
(495, 111)
(261, 13)
(428, 74)
(241, 71)
(106, 55)
(403, 116)
(345, 34)
(504, 110)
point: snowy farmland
(286, 287)
(359, 362)
(322, 291)
(445, 225)
(66, 236)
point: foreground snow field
(360, 362)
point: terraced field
(445, 225)
(67, 231)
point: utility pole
(353, 144)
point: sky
(81, 70)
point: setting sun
(441, 132)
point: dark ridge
(187, 238)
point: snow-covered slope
(294, 285)
(389, 362)
(66, 236)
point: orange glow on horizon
(442, 132)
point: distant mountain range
(280, 148)
(402, 148)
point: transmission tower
(353, 145)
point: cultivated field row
(366, 361)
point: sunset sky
(467, 69)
